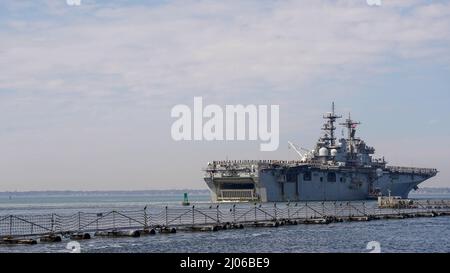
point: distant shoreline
(431, 190)
(105, 192)
(161, 192)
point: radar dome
(334, 152)
(323, 151)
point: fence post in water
(193, 215)
(79, 220)
(364, 208)
(53, 223)
(255, 213)
(306, 210)
(275, 210)
(323, 209)
(96, 224)
(114, 219)
(167, 221)
(10, 225)
(234, 213)
(217, 213)
(145, 218)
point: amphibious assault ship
(335, 170)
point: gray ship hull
(304, 183)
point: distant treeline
(433, 190)
(84, 193)
(159, 192)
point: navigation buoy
(186, 200)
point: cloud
(210, 46)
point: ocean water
(70, 203)
(406, 235)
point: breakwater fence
(150, 220)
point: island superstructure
(335, 170)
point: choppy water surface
(408, 235)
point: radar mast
(351, 128)
(329, 127)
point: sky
(86, 91)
